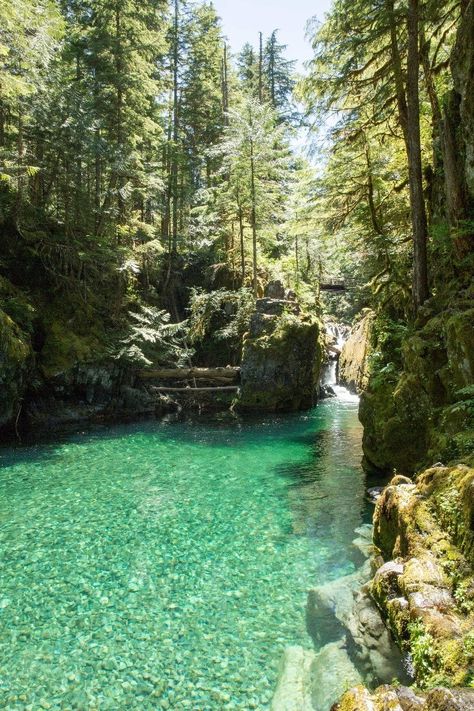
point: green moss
(280, 367)
(64, 348)
(16, 358)
(423, 653)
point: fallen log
(164, 389)
(190, 373)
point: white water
(339, 336)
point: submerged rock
(311, 681)
(333, 670)
(295, 682)
(343, 609)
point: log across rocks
(225, 375)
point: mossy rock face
(402, 698)
(280, 364)
(66, 346)
(395, 419)
(426, 411)
(460, 348)
(16, 359)
(425, 590)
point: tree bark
(418, 212)
(253, 217)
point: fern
(154, 340)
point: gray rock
(333, 670)
(450, 700)
(275, 290)
(275, 307)
(295, 681)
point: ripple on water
(166, 566)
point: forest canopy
(142, 159)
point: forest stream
(167, 564)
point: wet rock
(294, 687)
(330, 606)
(344, 609)
(332, 669)
(374, 493)
(363, 542)
(376, 650)
(326, 391)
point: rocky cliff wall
(281, 359)
(354, 358)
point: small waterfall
(329, 378)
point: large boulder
(281, 359)
(310, 681)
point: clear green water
(166, 565)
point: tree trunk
(174, 169)
(253, 217)
(242, 243)
(418, 212)
(119, 98)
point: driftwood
(190, 374)
(189, 390)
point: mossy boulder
(402, 698)
(396, 418)
(281, 362)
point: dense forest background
(149, 176)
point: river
(167, 564)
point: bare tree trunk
(253, 217)
(260, 68)
(174, 170)
(225, 86)
(418, 212)
(242, 243)
(118, 69)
